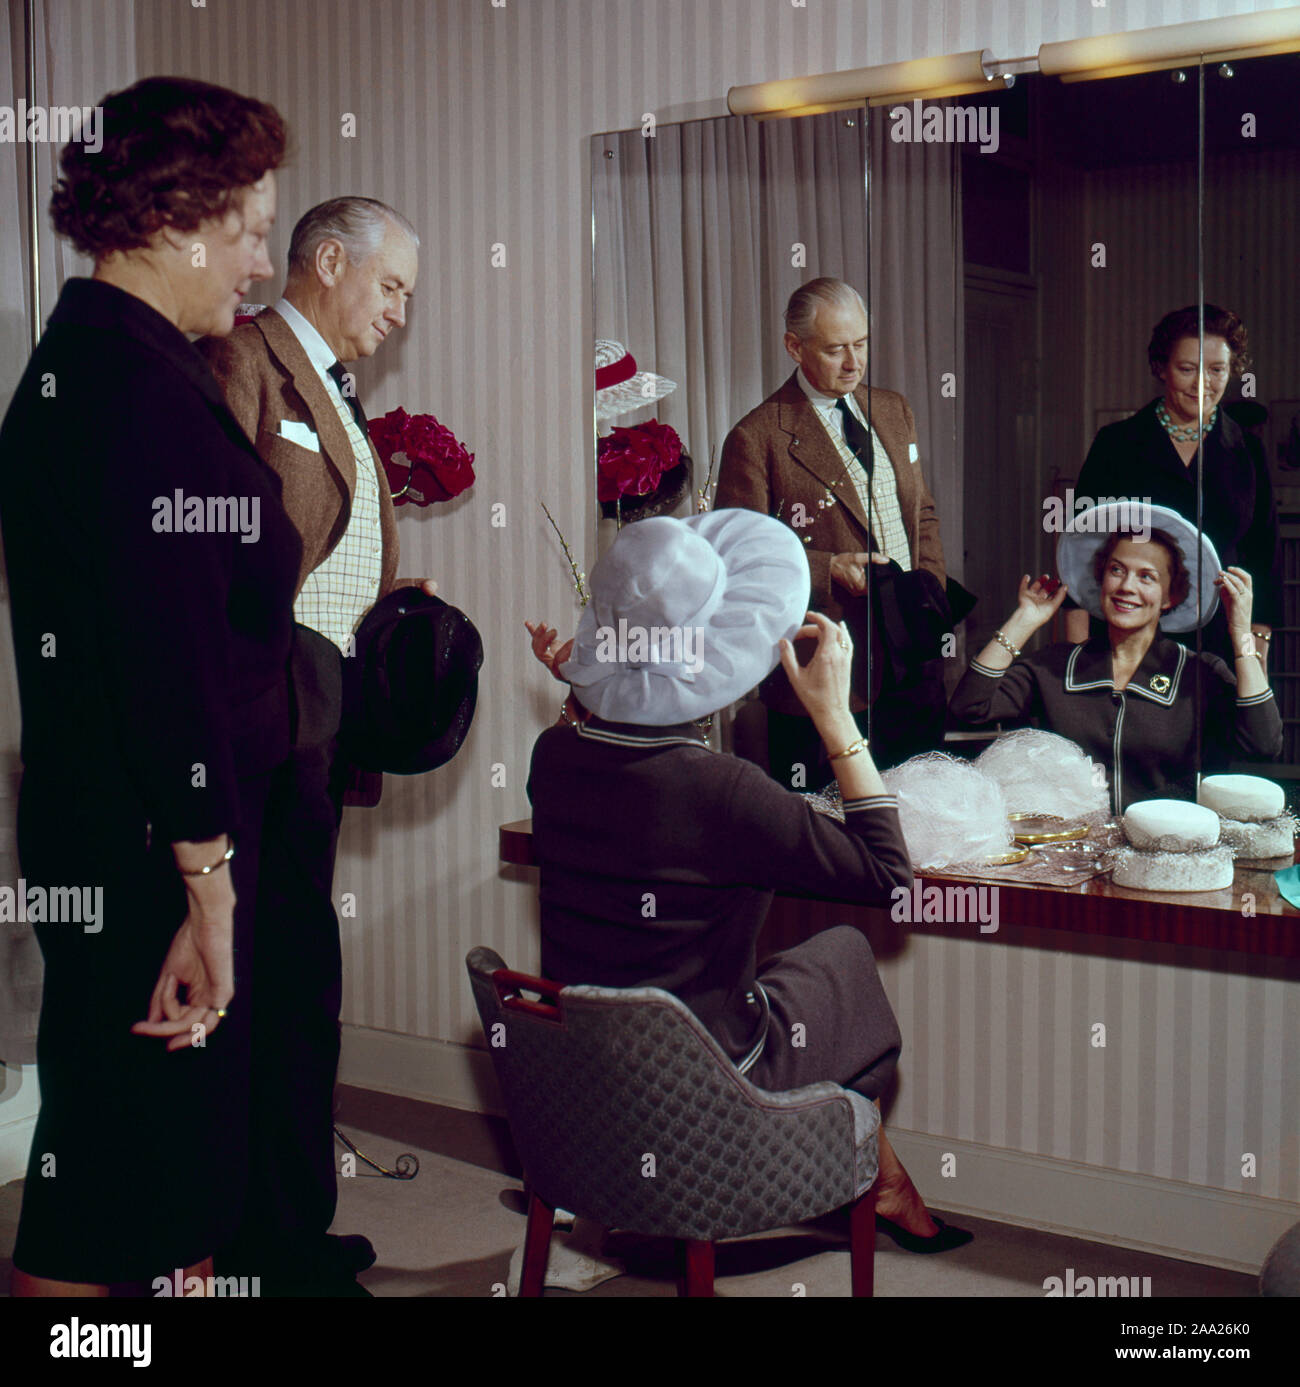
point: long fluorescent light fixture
(1259, 34)
(1150, 50)
(956, 75)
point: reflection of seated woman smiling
(1128, 696)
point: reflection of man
(855, 495)
(352, 267)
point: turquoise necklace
(1184, 433)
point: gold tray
(1038, 829)
(1005, 859)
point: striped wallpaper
(473, 117)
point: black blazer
(1145, 734)
(1134, 458)
(152, 664)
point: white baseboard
(1195, 1223)
(19, 1100)
(434, 1071)
(1217, 1228)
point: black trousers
(297, 989)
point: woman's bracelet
(207, 871)
(1006, 644)
(851, 750)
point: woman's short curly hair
(175, 152)
(1180, 583)
(1182, 322)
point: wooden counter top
(1195, 919)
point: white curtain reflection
(703, 230)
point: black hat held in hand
(409, 691)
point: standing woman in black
(1152, 456)
(151, 567)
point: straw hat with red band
(620, 387)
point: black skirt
(139, 1159)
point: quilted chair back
(625, 1110)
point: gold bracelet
(1006, 644)
(851, 750)
(207, 871)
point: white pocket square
(912, 454)
(300, 434)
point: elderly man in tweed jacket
(352, 268)
(839, 464)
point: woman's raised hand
(1237, 591)
(1039, 601)
(822, 685)
(547, 648)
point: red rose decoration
(631, 461)
(424, 460)
(386, 433)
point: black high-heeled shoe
(944, 1240)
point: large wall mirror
(1012, 283)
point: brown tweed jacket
(779, 460)
(268, 378)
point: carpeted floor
(450, 1231)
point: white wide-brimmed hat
(1089, 530)
(685, 616)
(620, 387)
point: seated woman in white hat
(1129, 697)
(659, 856)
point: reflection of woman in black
(151, 634)
(1152, 456)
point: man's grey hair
(357, 223)
(801, 311)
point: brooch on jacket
(1160, 683)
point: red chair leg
(862, 1244)
(695, 1267)
(537, 1247)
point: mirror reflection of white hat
(730, 584)
(1088, 531)
(620, 387)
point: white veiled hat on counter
(949, 811)
(1043, 773)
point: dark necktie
(857, 437)
(859, 441)
(346, 383)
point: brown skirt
(830, 1018)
